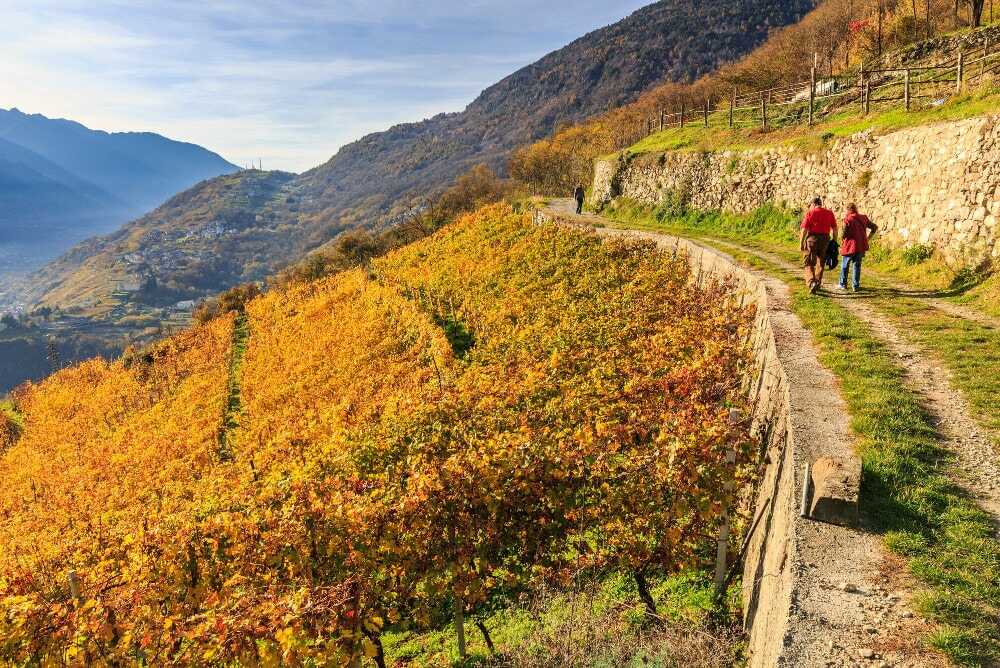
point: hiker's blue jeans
(849, 260)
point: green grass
(719, 136)
(231, 416)
(8, 409)
(907, 495)
(606, 614)
(969, 350)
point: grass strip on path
(907, 495)
(231, 416)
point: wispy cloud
(286, 82)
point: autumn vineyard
(385, 447)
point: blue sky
(284, 81)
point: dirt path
(895, 289)
(960, 433)
(844, 610)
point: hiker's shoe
(813, 287)
(842, 288)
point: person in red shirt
(858, 229)
(818, 228)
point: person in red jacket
(818, 227)
(858, 229)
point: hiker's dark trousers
(579, 206)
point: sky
(284, 82)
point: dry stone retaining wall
(936, 184)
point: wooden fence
(814, 99)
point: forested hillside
(382, 177)
(372, 452)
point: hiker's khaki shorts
(815, 252)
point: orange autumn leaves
(495, 404)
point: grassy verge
(719, 136)
(596, 623)
(907, 495)
(7, 408)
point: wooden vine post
(662, 119)
(460, 624)
(722, 548)
(74, 586)
(706, 112)
(732, 108)
(459, 601)
(683, 112)
(763, 111)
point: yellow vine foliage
(497, 403)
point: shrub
(917, 253)
(233, 300)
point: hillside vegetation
(382, 178)
(498, 406)
(838, 36)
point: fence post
(661, 120)
(812, 95)
(906, 89)
(706, 111)
(960, 73)
(683, 110)
(763, 111)
(863, 86)
(732, 107)
(982, 61)
(868, 96)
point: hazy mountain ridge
(61, 182)
(385, 174)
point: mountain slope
(383, 175)
(61, 183)
(142, 169)
(675, 40)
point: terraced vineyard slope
(496, 406)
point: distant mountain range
(61, 182)
(261, 222)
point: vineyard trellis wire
(815, 98)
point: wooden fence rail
(810, 100)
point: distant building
(186, 305)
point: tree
(976, 11)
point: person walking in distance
(579, 195)
(858, 229)
(818, 227)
